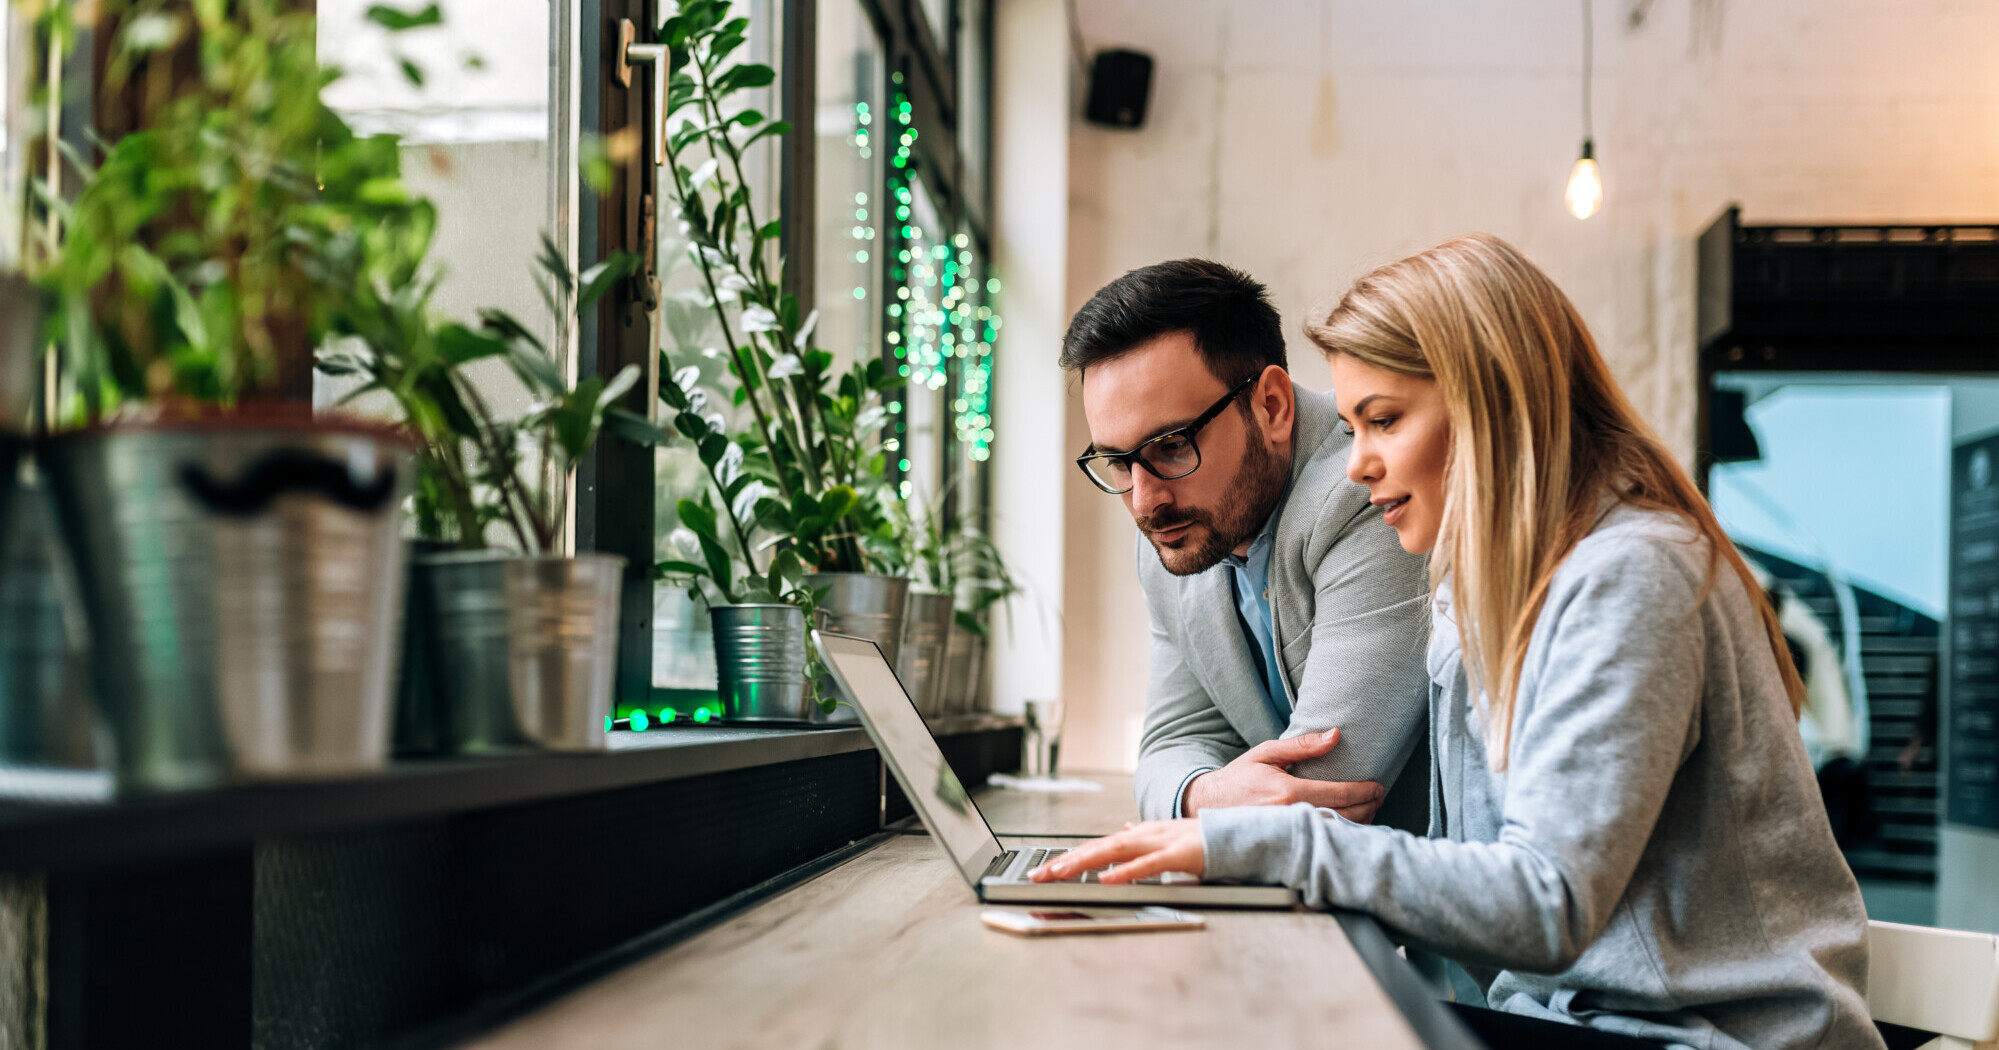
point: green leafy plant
(950, 558)
(796, 490)
(183, 273)
(479, 469)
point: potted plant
(521, 642)
(238, 557)
(980, 580)
(794, 487)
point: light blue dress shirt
(1250, 574)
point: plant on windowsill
(958, 576)
(793, 508)
(202, 498)
(522, 644)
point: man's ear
(1275, 404)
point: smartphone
(1035, 922)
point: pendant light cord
(1588, 41)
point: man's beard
(1243, 511)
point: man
(1281, 606)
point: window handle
(631, 53)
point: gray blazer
(1655, 860)
(1351, 617)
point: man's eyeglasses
(1167, 456)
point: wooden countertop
(886, 950)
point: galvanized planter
(419, 727)
(20, 350)
(523, 650)
(45, 712)
(926, 633)
(760, 663)
(863, 605)
(964, 671)
(13, 449)
(241, 577)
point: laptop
(960, 830)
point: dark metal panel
(151, 955)
(1716, 253)
(365, 937)
(799, 167)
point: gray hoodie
(1654, 861)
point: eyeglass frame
(1133, 455)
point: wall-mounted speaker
(1120, 85)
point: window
(849, 125)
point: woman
(1626, 832)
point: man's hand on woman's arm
(1259, 778)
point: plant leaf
(636, 428)
(698, 519)
(396, 21)
(602, 277)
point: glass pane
(695, 349)
(14, 66)
(1864, 589)
(938, 14)
(476, 142)
(974, 106)
(849, 193)
(977, 327)
(922, 337)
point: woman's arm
(1616, 675)
(1608, 711)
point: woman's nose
(1363, 466)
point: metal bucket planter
(760, 663)
(419, 728)
(20, 350)
(964, 670)
(926, 633)
(45, 714)
(863, 605)
(523, 650)
(13, 449)
(241, 577)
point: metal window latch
(631, 53)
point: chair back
(1942, 981)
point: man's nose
(1148, 493)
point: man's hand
(1138, 851)
(1258, 778)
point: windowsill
(69, 819)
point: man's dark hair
(1235, 329)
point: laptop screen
(912, 753)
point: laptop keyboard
(1044, 855)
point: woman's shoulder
(1639, 549)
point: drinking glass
(1044, 737)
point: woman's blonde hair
(1539, 434)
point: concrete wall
(1310, 140)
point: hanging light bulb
(1585, 193)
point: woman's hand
(1138, 851)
